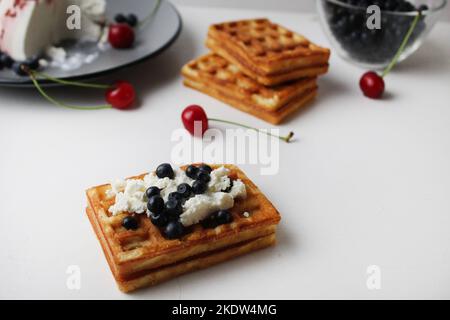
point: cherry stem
(71, 83)
(285, 139)
(403, 45)
(150, 16)
(58, 103)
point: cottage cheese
(130, 194)
(201, 206)
(131, 198)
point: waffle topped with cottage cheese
(224, 219)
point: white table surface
(367, 182)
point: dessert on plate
(270, 57)
(156, 226)
(28, 28)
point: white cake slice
(28, 27)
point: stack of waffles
(258, 67)
(144, 257)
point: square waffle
(266, 51)
(143, 257)
(221, 79)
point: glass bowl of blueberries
(371, 36)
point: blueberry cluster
(349, 27)
(165, 215)
(19, 67)
(130, 19)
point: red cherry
(372, 85)
(192, 114)
(121, 95)
(121, 36)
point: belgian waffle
(223, 80)
(267, 51)
(272, 79)
(143, 257)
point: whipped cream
(27, 28)
(130, 194)
(59, 58)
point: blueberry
(191, 172)
(405, 6)
(203, 175)
(173, 208)
(199, 187)
(130, 223)
(224, 217)
(20, 68)
(210, 222)
(184, 190)
(342, 26)
(390, 5)
(6, 60)
(353, 37)
(159, 220)
(355, 20)
(132, 20)
(365, 37)
(379, 4)
(174, 230)
(156, 204)
(165, 171)
(175, 196)
(409, 6)
(33, 63)
(152, 191)
(423, 7)
(120, 18)
(206, 168)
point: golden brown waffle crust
(222, 75)
(274, 117)
(266, 47)
(135, 254)
(267, 79)
(155, 277)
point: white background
(365, 183)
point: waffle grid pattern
(264, 39)
(214, 69)
(147, 240)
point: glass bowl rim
(404, 13)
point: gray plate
(151, 39)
